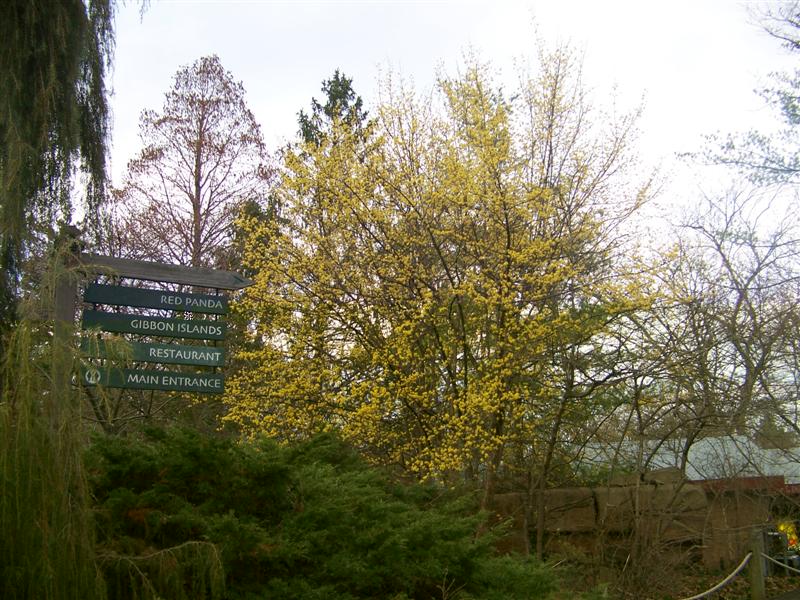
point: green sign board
(142, 379)
(119, 295)
(173, 354)
(154, 326)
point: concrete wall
(661, 507)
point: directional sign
(154, 326)
(173, 354)
(141, 379)
(119, 295)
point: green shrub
(311, 521)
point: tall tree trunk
(542, 481)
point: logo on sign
(92, 376)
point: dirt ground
(672, 587)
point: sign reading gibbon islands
(151, 326)
(203, 329)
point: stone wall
(731, 518)
(660, 506)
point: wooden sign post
(152, 271)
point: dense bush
(312, 521)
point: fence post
(757, 574)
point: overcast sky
(695, 62)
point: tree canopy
(203, 159)
(770, 158)
(435, 284)
(53, 119)
(342, 104)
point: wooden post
(64, 305)
(757, 574)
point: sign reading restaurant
(108, 374)
(173, 354)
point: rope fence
(736, 572)
(724, 582)
(781, 565)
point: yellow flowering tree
(442, 279)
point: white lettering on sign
(181, 327)
(143, 378)
(184, 354)
(199, 328)
(168, 299)
(145, 325)
(190, 302)
(188, 381)
(184, 381)
(203, 303)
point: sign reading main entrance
(146, 379)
